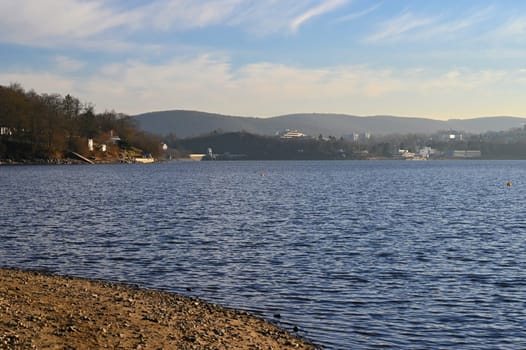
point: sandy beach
(41, 311)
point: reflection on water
(405, 255)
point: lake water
(359, 255)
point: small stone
(190, 338)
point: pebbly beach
(43, 311)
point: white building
(426, 152)
(291, 134)
(4, 130)
(467, 154)
(364, 136)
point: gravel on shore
(42, 311)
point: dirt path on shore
(39, 311)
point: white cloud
(461, 80)
(395, 27)
(41, 82)
(211, 83)
(268, 17)
(56, 21)
(265, 89)
(108, 26)
(512, 30)
(187, 14)
(255, 16)
(359, 14)
(424, 27)
(318, 10)
(456, 25)
(68, 64)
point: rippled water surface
(361, 255)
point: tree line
(51, 126)
(244, 145)
(509, 144)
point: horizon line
(324, 114)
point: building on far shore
(358, 136)
(4, 130)
(466, 154)
(451, 136)
(291, 134)
(197, 156)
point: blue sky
(435, 59)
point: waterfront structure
(466, 154)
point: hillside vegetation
(50, 126)
(242, 145)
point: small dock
(81, 157)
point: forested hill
(192, 123)
(50, 127)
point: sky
(436, 59)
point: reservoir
(355, 254)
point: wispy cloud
(457, 25)
(324, 7)
(188, 14)
(512, 30)
(263, 17)
(422, 27)
(84, 23)
(358, 14)
(56, 21)
(396, 27)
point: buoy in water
(508, 184)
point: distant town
(42, 128)
(294, 144)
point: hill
(193, 123)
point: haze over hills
(185, 123)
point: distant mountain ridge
(185, 123)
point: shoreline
(40, 310)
